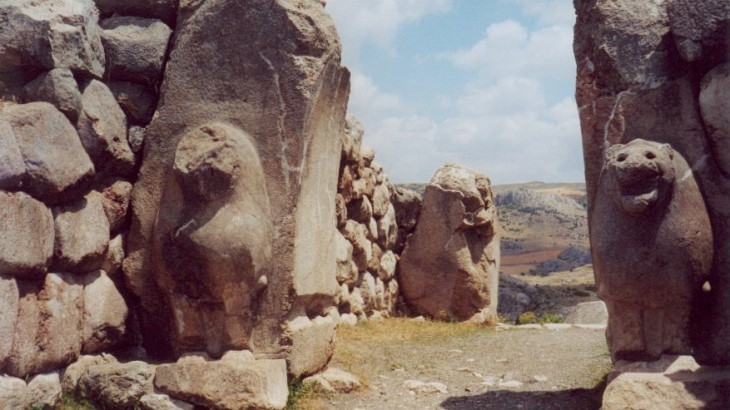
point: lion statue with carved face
(652, 248)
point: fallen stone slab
(117, 385)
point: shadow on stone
(501, 399)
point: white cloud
(377, 21)
(507, 120)
(509, 48)
(369, 101)
(548, 12)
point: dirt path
(475, 368)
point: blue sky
(485, 83)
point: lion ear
(611, 151)
(668, 150)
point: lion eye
(621, 157)
(650, 155)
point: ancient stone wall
(367, 244)
(168, 173)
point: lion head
(641, 174)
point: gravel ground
(477, 368)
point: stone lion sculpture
(213, 242)
(652, 248)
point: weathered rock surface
(74, 372)
(9, 297)
(13, 393)
(27, 235)
(234, 382)
(136, 100)
(407, 205)
(12, 166)
(312, 343)
(44, 390)
(135, 48)
(102, 128)
(55, 160)
(105, 313)
(449, 268)
(82, 234)
(57, 87)
(672, 382)
(698, 27)
(115, 196)
(47, 334)
(117, 385)
(51, 34)
(714, 104)
(291, 60)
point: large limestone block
(165, 10)
(49, 325)
(55, 160)
(12, 166)
(312, 343)
(672, 382)
(26, 229)
(82, 234)
(13, 393)
(105, 313)
(102, 128)
(57, 87)
(273, 75)
(135, 48)
(652, 249)
(117, 386)
(51, 34)
(450, 266)
(9, 298)
(232, 383)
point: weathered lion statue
(652, 248)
